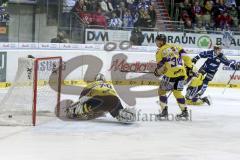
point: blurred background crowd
(205, 15)
(72, 17)
(114, 13)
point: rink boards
(82, 65)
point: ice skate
(183, 116)
(207, 100)
(163, 115)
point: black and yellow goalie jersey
(98, 88)
(173, 58)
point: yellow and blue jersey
(173, 58)
(98, 88)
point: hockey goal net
(34, 95)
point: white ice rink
(213, 134)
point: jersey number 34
(176, 62)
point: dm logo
(204, 42)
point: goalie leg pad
(74, 109)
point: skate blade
(162, 118)
(210, 100)
(181, 118)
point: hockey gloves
(237, 66)
(195, 59)
(156, 73)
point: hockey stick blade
(229, 81)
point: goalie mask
(100, 77)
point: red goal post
(36, 66)
(34, 95)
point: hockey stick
(158, 102)
(229, 81)
(136, 71)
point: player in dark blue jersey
(206, 73)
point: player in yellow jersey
(96, 99)
(171, 62)
(192, 97)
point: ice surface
(213, 134)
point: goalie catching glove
(127, 115)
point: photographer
(60, 38)
(137, 37)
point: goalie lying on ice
(96, 99)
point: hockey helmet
(100, 77)
(161, 37)
(217, 47)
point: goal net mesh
(34, 94)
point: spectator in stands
(199, 28)
(186, 19)
(222, 7)
(216, 10)
(114, 3)
(216, 14)
(79, 6)
(143, 4)
(188, 25)
(224, 20)
(233, 13)
(115, 22)
(229, 3)
(149, 2)
(207, 12)
(129, 3)
(201, 2)
(127, 19)
(147, 19)
(60, 38)
(143, 19)
(153, 15)
(120, 11)
(66, 9)
(197, 12)
(185, 7)
(106, 6)
(99, 19)
(137, 37)
(3, 3)
(136, 19)
(90, 5)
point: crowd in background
(202, 15)
(115, 13)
